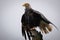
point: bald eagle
(31, 19)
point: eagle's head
(26, 5)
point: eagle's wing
(45, 23)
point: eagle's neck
(28, 8)
(28, 11)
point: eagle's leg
(36, 35)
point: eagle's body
(32, 18)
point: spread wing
(45, 23)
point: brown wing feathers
(46, 28)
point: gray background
(11, 12)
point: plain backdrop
(11, 12)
